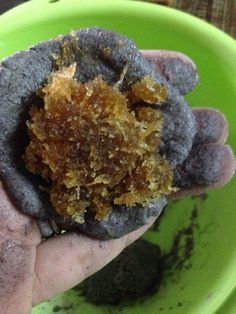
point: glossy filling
(97, 146)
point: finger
(66, 260)
(211, 126)
(207, 167)
(177, 68)
(14, 224)
(18, 239)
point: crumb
(103, 244)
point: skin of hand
(32, 270)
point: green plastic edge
(196, 24)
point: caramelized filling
(96, 146)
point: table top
(221, 13)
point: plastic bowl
(203, 286)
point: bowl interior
(210, 274)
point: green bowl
(210, 278)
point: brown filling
(96, 146)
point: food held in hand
(92, 133)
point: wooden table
(221, 13)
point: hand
(32, 270)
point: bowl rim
(179, 16)
(218, 37)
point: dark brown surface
(221, 13)
(127, 277)
(8, 4)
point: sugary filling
(97, 146)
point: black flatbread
(96, 52)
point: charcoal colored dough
(122, 220)
(96, 52)
(131, 275)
